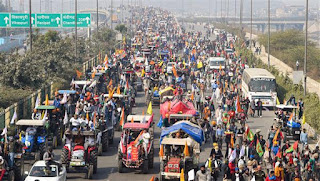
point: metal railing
(25, 106)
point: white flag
(72, 82)
(65, 119)
(4, 131)
(37, 102)
(191, 175)
(14, 117)
(241, 152)
(233, 156)
(45, 115)
(64, 99)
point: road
(107, 163)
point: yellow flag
(303, 119)
(149, 111)
(186, 150)
(182, 175)
(142, 72)
(278, 102)
(200, 65)
(47, 100)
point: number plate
(77, 163)
(297, 132)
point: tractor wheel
(145, 166)
(120, 166)
(54, 142)
(11, 176)
(105, 141)
(42, 150)
(89, 172)
(151, 157)
(64, 156)
(100, 150)
(112, 136)
(94, 161)
(18, 170)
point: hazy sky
(190, 5)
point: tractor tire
(100, 150)
(11, 176)
(42, 150)
(151, 157)
(94, 161)
(18, 170)
(64, 156)
(105, 141)
(54, 142)
(120, 166)
(111, 139)
(145, 167)
(89, 172)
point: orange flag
(132, 121)
(192, 96)
(232, 141)
(111, 92)
(122, 118)
(174, 71)
(142, 112)
(110, 83)
(94, 73)
(94, 118)
(79, 74)
(152, 178)
(161, 151)
(118, 89)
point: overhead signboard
(21, 20)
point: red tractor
(136, 148)
(80, 152)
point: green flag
(259, 148)
(250, 135)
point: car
(169, 67)
(37, 172)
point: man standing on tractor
(146, 137)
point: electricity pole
(30, 25)
(269, 34)
(306, 50)
(251, 32)
(76, 27)
(111, 13)
(98, 48)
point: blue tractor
(33, 135)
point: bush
(286, 88)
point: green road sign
(21, 20)
(4, 20)
(83, 20)
(48, 20)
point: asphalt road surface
(107, 163)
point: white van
(216, 62)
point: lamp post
(306, 49)
(251, 31)
(269, 34)
(30, 25)
(76, 28)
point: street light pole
(251, 32)
(241, 13)
(98, 26)
(221, 11)
(306, 50)
(30, 25)
(76, 27)
(111, 4)
(269, 34)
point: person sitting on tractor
(3, 166)
(146, 137)
(36, 115)
(74, 122)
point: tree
(121, 28)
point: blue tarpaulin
(194, 132)
(292, 124)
